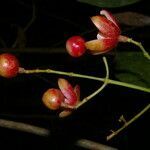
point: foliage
(132, 67)
(109, 3)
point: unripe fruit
(53, 98)
(75, 46)
(9, 65)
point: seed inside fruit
(53, 98)
(75, 46)
(9, 65)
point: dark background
(20, 97)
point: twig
(123, 38)
(71, 74)
(28, 25)
(88, 144)
(32, 19)
(24, 127)
(145, 53)
(100, 89)
(127, 123)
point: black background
(20, 97)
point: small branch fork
(100, 89)
(127, 123)
(20, 126)
(45, 132)
(106, 81)
(28, 24)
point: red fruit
(68, 91)
(75, 46)
(9, 65)
(101, 46)
(53, 98)
(110, 17)
(106, 27)
(108, 35)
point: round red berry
(75, 46)
(9, 65)
(53, 98)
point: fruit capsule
(68, 91)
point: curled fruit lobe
(105, 26)
(77, 92)
(53, 98)
(108, 34)
(110, 17)
(66, 112)
(101, 46)
(9, 65)
(75, 46)
(68, 91)
(66, 98)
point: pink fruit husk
(106, 27)
(101, 46)
(67, 91)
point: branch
(145, 53)
(24, 127)
(32, 19)
(127, 123)
(123, 38)
(71, 74)
(88, 144)
(27, 26)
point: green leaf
(109, 3)
(132, 67)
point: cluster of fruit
(66, 96)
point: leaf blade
(132, 67)
(109, 3)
